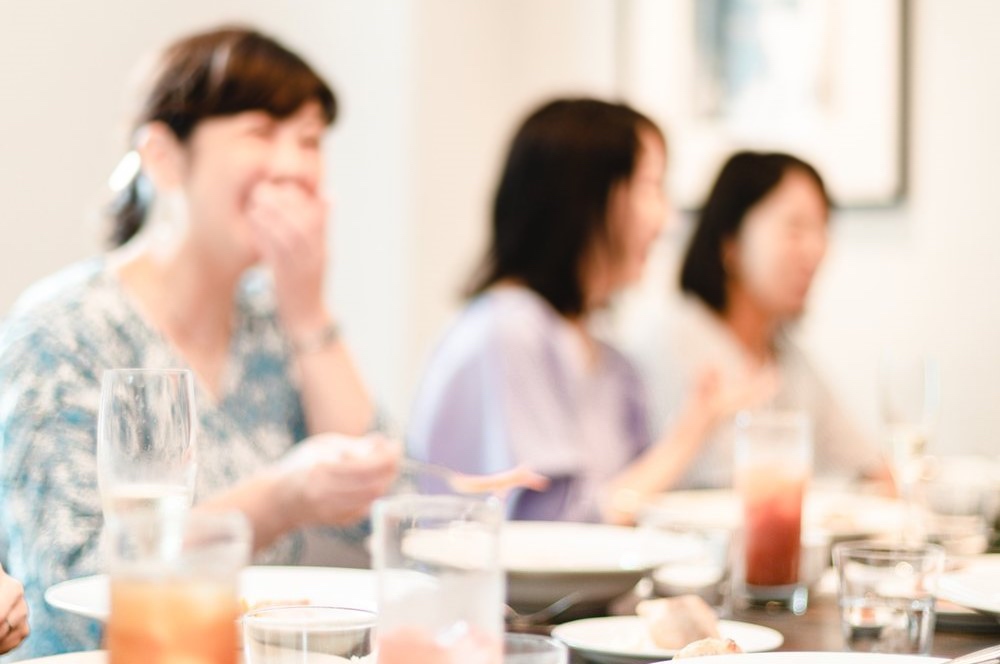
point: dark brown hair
(551, 204)
(745, 180)
(217, 73)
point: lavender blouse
(511, 383)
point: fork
(520, 621)
(515, 478)
(984, 656)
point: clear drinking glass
(909, 399)
(886, 595)
(534, 649)
(174, 586)
(146, 444)
(772, 467)
(704, 568)
(440, 584)
(300, 634)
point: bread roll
(707, 647)
(674, 622)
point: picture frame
(824, 80)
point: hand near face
(331, 479)
(13, 613)
(721, 399)
(288, 221)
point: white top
(673, 347)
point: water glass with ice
(440, 583)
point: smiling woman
(227, 180)
(758, 244)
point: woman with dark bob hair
(746, 276)
(224, 177)
(521, 379)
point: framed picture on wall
(822, 79)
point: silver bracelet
(328, 336)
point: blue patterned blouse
(54, 346)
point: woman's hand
(712, 401)
(288, 221)
(717, 399)
(13, 613)
(331, 479)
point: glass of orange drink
(174, 586)
(772, 468)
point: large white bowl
(546, 561)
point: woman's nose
(289, 161)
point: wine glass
(146, 447)
(909, 396)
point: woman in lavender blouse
(520, 378)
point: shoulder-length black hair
(551, 204)
(744, 181)
(221, 72)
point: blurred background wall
(431, 91)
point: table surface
(819, 630)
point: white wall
(924, 276)
(483, 66)
(432, 90)
(919, 277)
(63, 72)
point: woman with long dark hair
(521, 378)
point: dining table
(818, 629)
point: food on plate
(674, 622)
(707, 647)
(246, 606)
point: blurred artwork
(819, 78)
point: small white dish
(626, 640)
(976, 585)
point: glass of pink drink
(440, 584)
(773, 464)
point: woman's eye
(311, 142)
(261, 129)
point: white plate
(625, 639)
(89, 657)
(352, 588)
(976, 586)
(546, 561)
(819, 658)
(837, 514)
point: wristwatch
(327, 336)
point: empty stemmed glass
(146, 443)
(909, 398)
